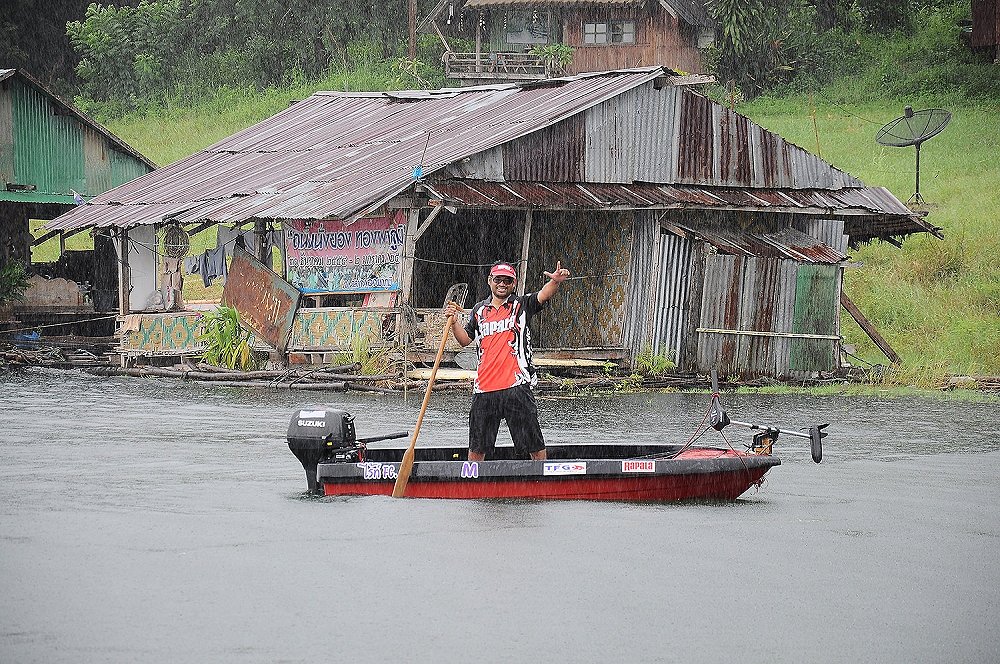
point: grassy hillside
(936, 301)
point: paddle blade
(457, 294)
(403, 476)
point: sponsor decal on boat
(308, 414)
(378, 471)
(470, 469)
(639, 466)
(312, 423)
(565, 468)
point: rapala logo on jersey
(497, 326)
(639, 466)
(470, 469)
(567, 468)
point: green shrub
(648, 363)
(13, 283)
(227, 343)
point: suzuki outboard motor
(318, 433)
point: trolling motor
(322, 434)
(763, 441)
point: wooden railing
(498, 66)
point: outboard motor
(320, 433)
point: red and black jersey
(504, 342)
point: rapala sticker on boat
(378, 471)
(565, 468)
(639, 466)
(470, 469)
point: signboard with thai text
(328, 256)
(266, 302)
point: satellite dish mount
(913, 128)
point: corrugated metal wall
(672, 295)
(42, 144)
(666, 135)
(6, 133)
(768, 295)
(48, 148)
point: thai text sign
(266, 302)
(330, 257)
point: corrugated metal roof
(340, 155)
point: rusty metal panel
(696, 140)
(266, 302)
(784, 316)
(554, 154)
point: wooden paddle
(456, 293)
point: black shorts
(517, 406)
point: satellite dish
(176, 242)
(913, 128)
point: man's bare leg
(539, 455)
(477, 456)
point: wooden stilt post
(409, 251)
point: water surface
(153, 520)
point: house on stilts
(695, 232)
(54, 157)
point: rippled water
(165, 522)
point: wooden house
(986, 28)
(52, 158)
(510, 36)
(692, 231)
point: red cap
(503, 270)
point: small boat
(337, 463)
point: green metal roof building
(53, 157)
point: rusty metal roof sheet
(874, 210)
(866, 201)
(785, 243)
(339, 155)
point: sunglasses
(503, 280)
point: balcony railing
(497, 66)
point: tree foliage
(767, 47)
(144, 52)
(33, 38)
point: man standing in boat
(505, 375)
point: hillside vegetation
(936, 301)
